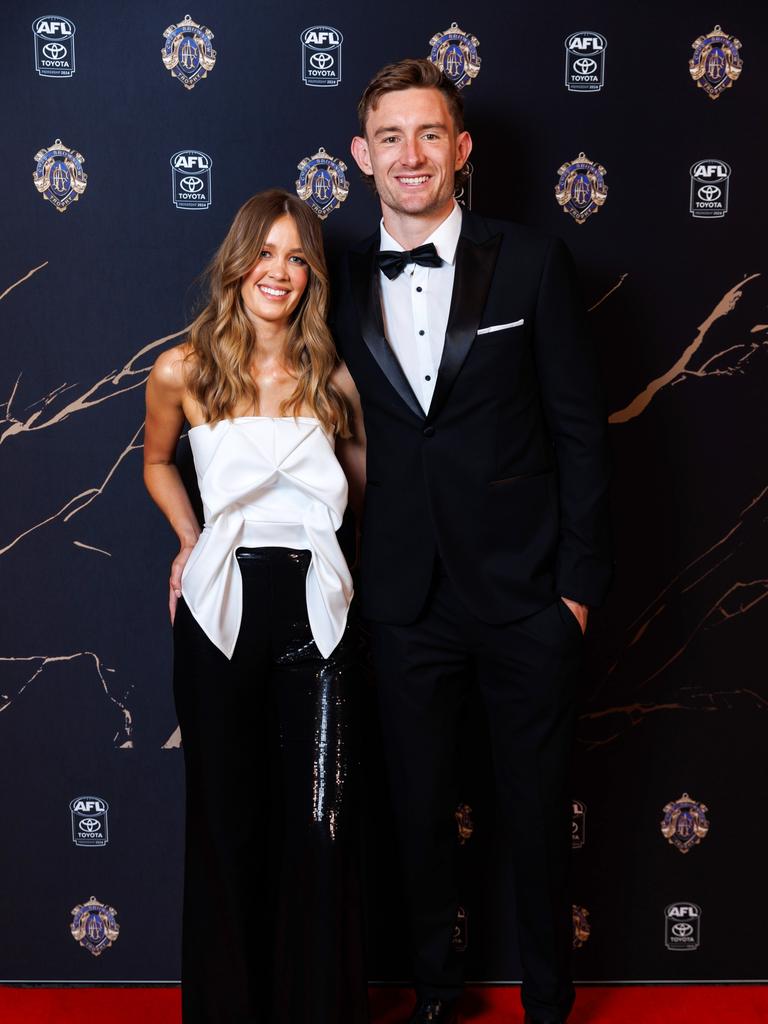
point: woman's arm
(163, 426)
(350, 451)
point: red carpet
(705, 1004)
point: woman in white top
(265, 672)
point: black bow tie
(394, 263)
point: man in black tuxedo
(484, 536)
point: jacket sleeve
(575, 413)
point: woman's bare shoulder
(168, 371)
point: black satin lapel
(475, 263)
(364, 276)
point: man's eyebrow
(397, 128)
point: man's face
(412, 149)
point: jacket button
(429, 431)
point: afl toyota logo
(54, 46)
(682, 924)
(321, 55)
(459, 937)
(191, 179)
(585, 61)
(578, 824)
(89, 821)
(709, 188)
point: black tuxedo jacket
(505, 477)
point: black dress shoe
(434, 1011)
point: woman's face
(273, 288)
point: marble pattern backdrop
(676, 696)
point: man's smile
(413, 180)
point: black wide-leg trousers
(272, 928)
(527, 673)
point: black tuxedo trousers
(527, 672)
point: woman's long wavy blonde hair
(222, 340)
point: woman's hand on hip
(177, 568)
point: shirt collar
(445, 237)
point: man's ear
(463, 149)
(360, 152)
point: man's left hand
(579, 610)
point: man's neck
(411, 229)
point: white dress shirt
(416, 304)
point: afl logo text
(585, 61)
(681, 926)
(581, 188)
(54, 46)
(455, 53)
(188, 53)
(59, 176)
(191, 180)
(94, 926)
(90, 825)
(321, 55)
(322, 183)
(709, 188)
(716, 63)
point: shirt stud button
(427, 377)
(418, 288)
(421, 332)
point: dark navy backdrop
(676, 694)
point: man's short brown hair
(413, 73)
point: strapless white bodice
(267, 482)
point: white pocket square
(500, 327)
